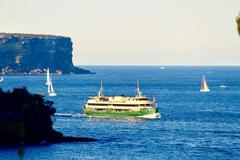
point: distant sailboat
(48, 77)
(51, 91)
(223, 86)
(204, 86)
(1, 79)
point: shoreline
(64, 139)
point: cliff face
(29, 53)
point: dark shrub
(25, 118)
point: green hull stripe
(120, 114)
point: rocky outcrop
(32, 53)
(25, 119)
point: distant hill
(33, 53)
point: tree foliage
(25, 118)
(238, 24)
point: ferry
(101, 106)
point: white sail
(138, 92)
(51, 93)
(48, 77)
(204, 86)
(50, 89)
(100, 91)
(49, 84)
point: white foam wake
(70, 115)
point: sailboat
(51, 91)
(1, 79)
(223, 86)
(48, 77)
(204, 86)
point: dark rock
(23, 53)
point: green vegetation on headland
(25, 119)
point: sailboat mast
(100, 92)
(203, 82)
(138, 92)
(48, 76)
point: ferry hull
(143, 113)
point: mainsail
(48, 77)
(1, 79)
(138, 92)
(100, 91)
(204, 86)
(49, 84)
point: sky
(133, 32)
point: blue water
(193, 125)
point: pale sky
(133, 32)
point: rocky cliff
(32, 53)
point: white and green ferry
(120, 106)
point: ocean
(193, 125)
